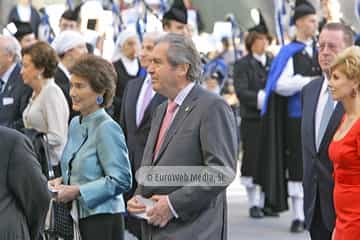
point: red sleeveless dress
(345, 155)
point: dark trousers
(318, 231)
(251, 140)
(133, 225)
(293, 156)
(102, 226)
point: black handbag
(61, 222)
(38, 140)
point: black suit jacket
(136, 136)
(24, 196)
(317, 174)
(64, 83)
(35, 19)
(13, 100)
(249, 77)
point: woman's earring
(353, 93)
(99, 100)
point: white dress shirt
(288, 84)
(321, 104)
(144, 86)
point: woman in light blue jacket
(95, 166)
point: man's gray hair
(11, 46)
(182, 50)
(154, 36)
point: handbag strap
(47, 155)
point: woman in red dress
(344, 150)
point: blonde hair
(348, 62)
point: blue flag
(117, 20)
(280, 13)
(45, 32)
(277, 67)
(70, 4)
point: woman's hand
(135, 206)
(54, 183)
(67, 193)
(333, 235)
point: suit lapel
(62, 78)
(134, 99)
(11, 82)
(154, 102)
(314, 98)
(32, 15)
(253, 62)
(154, 131)
(186, 107)
(332, 125)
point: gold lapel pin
(187, 109)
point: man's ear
(183, 69)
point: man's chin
(325, 67)
(75, 108)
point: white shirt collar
(148, 79)
(309, 46)
(325, 88)
(179, 99)
(260, 58)
(308, 42)
(325, 85)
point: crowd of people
(78, 129)
(298, 126)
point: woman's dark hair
(100, 74)
(43, 56)
(251, 37)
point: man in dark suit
(25, 12)
(69, 45)
(14, 95)
(24, 196)
(317, 179)
(194, 128)
(136, 121)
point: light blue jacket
(100, 164)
